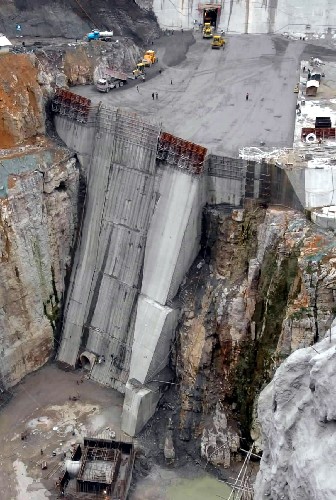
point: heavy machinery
(207, 30)
(105, 36)
(111, 80)
(149, 58)
(217, 42)
(139, 70)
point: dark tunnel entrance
(211, 16)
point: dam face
(237, 16)
(140, 233)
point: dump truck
(105, 36)
(217, 42)
(207, 30)
(149, 58)
(111, 80)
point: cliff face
(38, 218)
(297, 412)
(21, 100)
(37, 228)
(263, 288)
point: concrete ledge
(139, 406)
(154, 328)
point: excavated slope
(74, 18)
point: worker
(156, 95)
(41, 451)
(171, 82)
(137, 87)
(153, 96)
(304, 68)
(247, 96)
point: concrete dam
(139, 235)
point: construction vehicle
(111, 80)
(207, 30)
(149, 58)
(139, 70)
(217, 42)
(105, 36)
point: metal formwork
(71, 105)
(181, 154)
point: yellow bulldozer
(217, 42)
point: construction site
(167, 218)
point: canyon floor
(206, 101)
(41, 412)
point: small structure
(311, 88)
(106, 467)
(5, 44)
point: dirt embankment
(21, 100)
(74, 18)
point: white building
(5, 44)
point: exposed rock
(218, 440)
(297, 412)
(269, 292)
(38, 220)
(75, 19)
(21, 100)
(169, 450)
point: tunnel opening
(210, 15)
(87, 360)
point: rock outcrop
(297, 412)
(38, 218)
(263, 287)
(21, 100)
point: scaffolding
(242, 488)
(181, 154)
(71, 105)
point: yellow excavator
(207, 30)
(217, 42)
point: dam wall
(141, 231)
(248, 16)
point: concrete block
(139, 406)
(178, 192)
(154, 328)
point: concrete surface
(206, 101)
(251, 16)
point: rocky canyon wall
(262, 287)
(297, 413)
(39, 184)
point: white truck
(111, 80)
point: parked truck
(105, 36)
(207, 30)
(111, 80)
(149, 58)
(217, 42)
